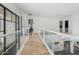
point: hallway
(34, 46)
(52, 25)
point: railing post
(24, 33)
(44, 34)
(39, 32)
(28, 31)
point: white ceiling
(49, 9)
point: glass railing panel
(1, 43)
(23, 36)
(58, 43)
(74, 46)
(49, 39)
(41, 33)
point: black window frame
(4, 20)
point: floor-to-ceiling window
(1, 28)
(10, 27)
(9, 23)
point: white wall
(46, 22)
(51, 23)
(75, 25)
(24, 20)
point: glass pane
(8, 15)
(10, 39)
(13, 17)
(50, 37)
(1, 25)
(41, 33)
(1, 29)
(10, 28)
(1, 43)
(1, 12)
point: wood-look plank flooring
(34, 46)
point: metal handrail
(11, 33)
(69, 37)
(62, 34)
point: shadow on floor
(63, 53)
